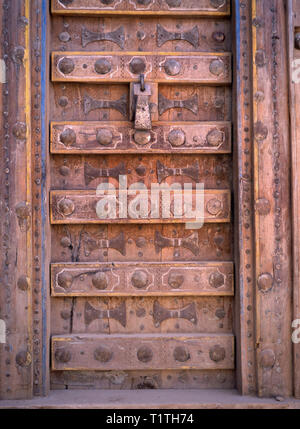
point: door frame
(264, 361)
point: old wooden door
(140, 302)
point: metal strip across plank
(198, 67)
(140, 352)
(82, 206)
(130, 7)
(143, 279)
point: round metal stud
(218, 36)
(137, 66)
(267, 358)
(66, 207)
(62, 355)
(64, 170)
(265, 282)
(23, 283)
(214, 206)
(104, 137)
(103, 354)
(139, 279)
(102, 66)
(175, 280)
(215, 137)
(141, 170)
(63, 101)
(217, 353)
(66, 65)
(23, 358)
(173, 3)
(68, 137)
(297, 40)
(176, 137)
(142, 137)
(65, 314)
(65, 280)
(217, 67)
(144, 354)
(216, 279)
(64, 36)
(181, 354)
(100, 281)
(172, 67)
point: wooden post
(16, 219)
(271, 199)
(293, 22)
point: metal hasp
(142, 93)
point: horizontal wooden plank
(208, 68)
(132, 7)
(134, 352)
(151, 314)
(82, 206)
(138, 279)
(118, 137)
(146, 379)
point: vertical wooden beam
(272, 199)
(294, 80)
(16, 219)
(244, 252)
(40, 177)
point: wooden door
(140, 303)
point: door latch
(142, 94)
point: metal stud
(142, 137)
(215, 137)
(139, 279)
(100, 281)
(217, 353)
(181, 354)
(66, 65)
(175, 280)
(102, 66)
(66, 207)
(104, 137)
(68, 137)
(172, 67)
(65, 280)
(144, 354)
(176, 137)
(217, 67)
(265, 282)
(137, 66)
(103, 354)
(63, 355)
(216, 279)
